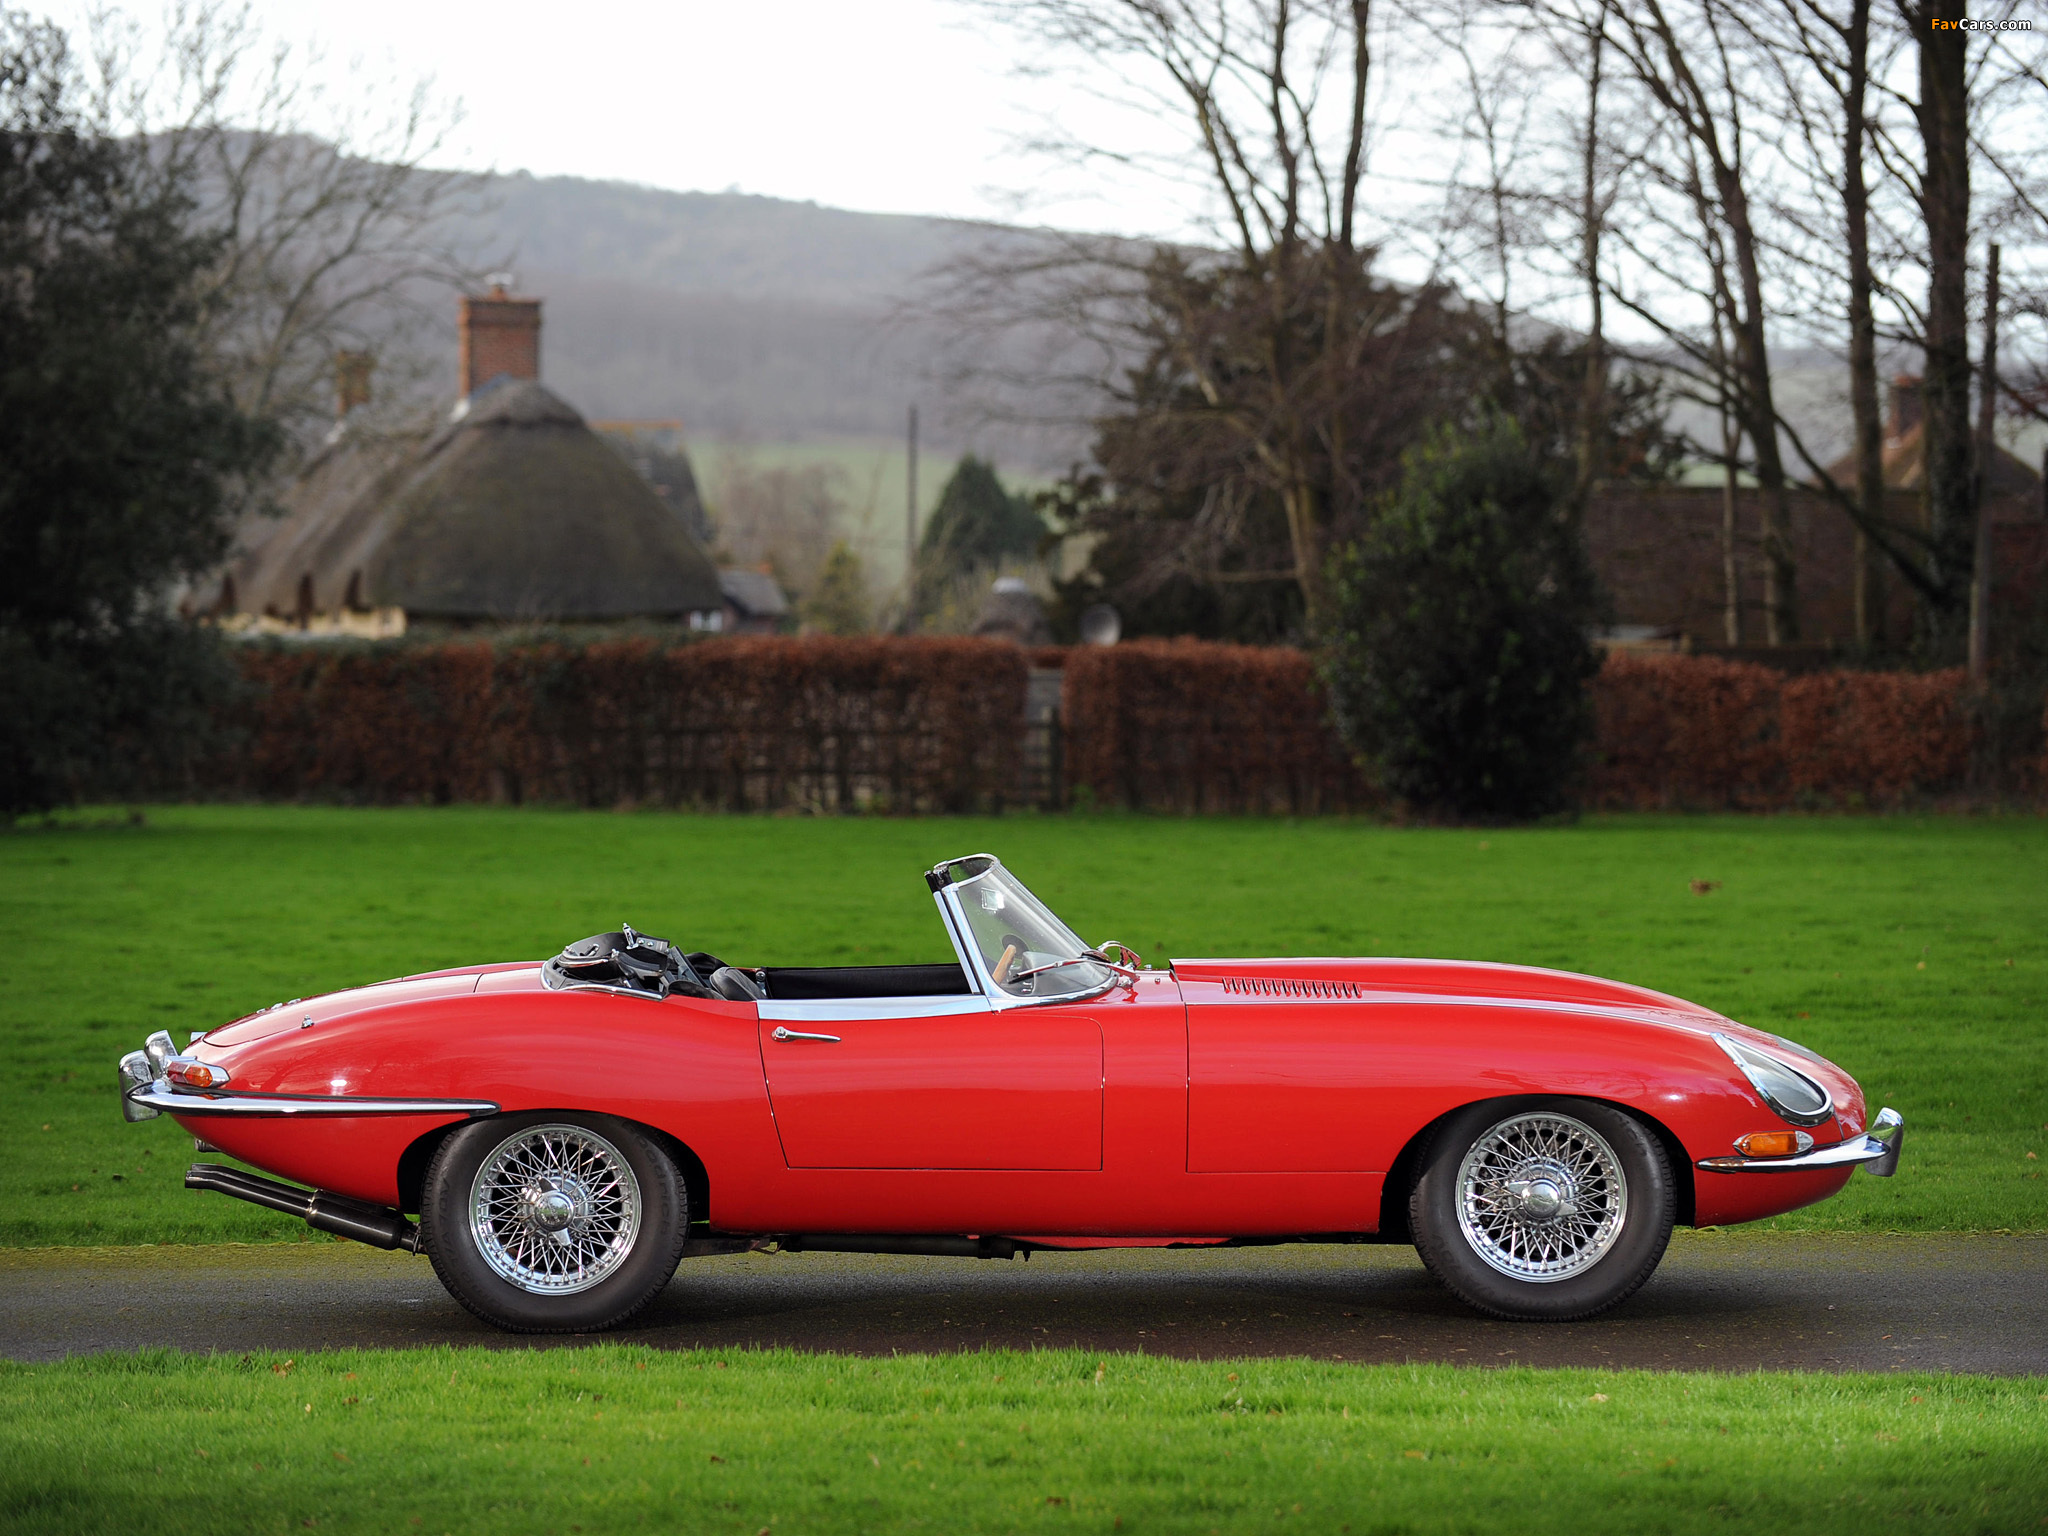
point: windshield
(1022, 947)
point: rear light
(1773, 1143)
(184, 1072)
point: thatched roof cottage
(511, 511)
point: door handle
(797, 1034)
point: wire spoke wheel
(1541, 1197)
(555, 1209)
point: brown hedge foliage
(937, 725)
(767, 723)
(1698, 732)
(1189, 725)
(1185, 725)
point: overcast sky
(899, 106)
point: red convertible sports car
(567, 1131)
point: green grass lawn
(615, 1438)
(1912, 951)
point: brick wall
(1658, 549)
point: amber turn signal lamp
(1773, 1143)
(195, 1074)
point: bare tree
(1806, 44)
(1986, 448)
(338, 237)
(1592, 224)
(1864, 409)
(788, 519)
(1690, 68)
(1252, 83)
(1943, 114)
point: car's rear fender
(687, 1069)
(417, 1158)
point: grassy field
(1914, 952)
(615, 1438)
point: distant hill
(747, 318)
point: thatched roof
(516, 510)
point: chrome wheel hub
(1541, 1197)
(552, 1208)
(555, 1209)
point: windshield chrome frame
(946, 892)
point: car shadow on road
(1775, 1301)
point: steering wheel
(1013, 951)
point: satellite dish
(1100, 625)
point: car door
(933, 1083)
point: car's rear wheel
(1543, 1210)
(553, 1223)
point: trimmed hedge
(1701, 733)
(887, 724)
(743, 724)
(1188, 725)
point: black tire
(563, 1169)
(1598, 1246)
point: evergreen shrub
(1459, 653)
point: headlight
(1795, 1096)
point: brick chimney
(1906, 407)
(500, 335)
(352, 372)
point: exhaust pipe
(377, 1225)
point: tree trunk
(1593, 389)
(1987, 449)
(1943, 112)
(1305, 534)
(1731, 572)
(1760, 419)
(1731, 450)
(1863, 400)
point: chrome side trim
(1877, 1149)
(163, 1099)
(956, 930)
(840, 1010)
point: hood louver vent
(1274, 986)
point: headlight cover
(1795, 1096)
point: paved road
(1721, 1301)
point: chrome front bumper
(1877, 1150)
(147, 1093)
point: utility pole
(1987, 450)
(910, 535)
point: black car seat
(732, 982)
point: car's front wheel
(1543, 1210)
(553, 1223)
